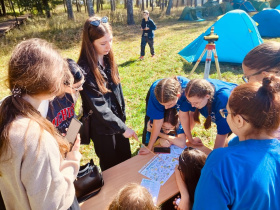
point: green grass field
(136, 76)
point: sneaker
(153, 56)
(141, 57)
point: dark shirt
(108, 109)
(149, 24)
(61, 111)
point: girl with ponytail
(37, 170)
(207, 97)
(245, 175)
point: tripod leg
(217, 64)
(207, 64)
(198, 61)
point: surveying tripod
(209, 48)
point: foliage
(136, 76)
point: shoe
(153, 56)
(141, 57)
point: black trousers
(111, 149)
(150, 42)
(146, 119)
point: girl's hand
(196, 141)
(143, 151)
(130, 133)
(164, 142)
(149, 126)
(75, 154)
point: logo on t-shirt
(63, 115)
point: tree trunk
(125, 4)
(137, 3)
(64, 4)
(69, 10)
(113, 5)
(130, 19)
(169, 7)
(3, 7)
(97, 5)
(90, 8)
(152, 5)
(47, 8)
(143, 5)
(147, 3)
(177, 3)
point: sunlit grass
(136, 76)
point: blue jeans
(150, 42)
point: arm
(179, 140)
(185, 200)
(152, 25)
(154, 134)
(51, 177)
(220, 141)
(185, 121)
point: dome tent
(238, 34)
(268, 22)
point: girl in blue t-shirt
(171, 131)
(164, 94)
(207, 97)
(246, 175)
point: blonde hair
(35, 68)
(132, 197)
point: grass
(136, 76)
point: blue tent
(244, 5)
(238, 34)
(278, 7)
(269, 22)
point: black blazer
(103, 120)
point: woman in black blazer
(102, 93)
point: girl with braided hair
(245, 175)
(207, 97)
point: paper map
(153, 187)
(162, 166)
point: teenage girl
(62, 108)
(102, 94)
(133, 196)
(37, 170)
(171, 130)
(262, 61)
(164, 94)
(208, 96)
(191, 162)
(245, 175)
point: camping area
(136, 75)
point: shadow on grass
(128, 63)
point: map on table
(153, 187)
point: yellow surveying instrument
(210, 47)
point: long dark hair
(258, 104)
(264, 57)
(171, 116)
(191, 162)
(34, 68)
(89, 55)
(200, 88)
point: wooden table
(126, 172)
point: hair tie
(16, 92)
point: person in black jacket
(102, 94)
(147, 26)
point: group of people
(37, 167)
